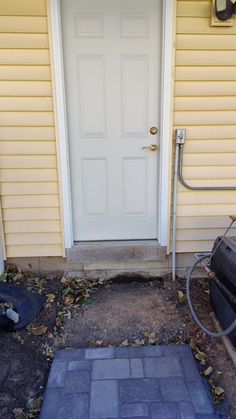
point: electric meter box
(223, 264)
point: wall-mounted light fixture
(225, 9)
(222, 12)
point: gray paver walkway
(156, 382)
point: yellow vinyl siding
(24, 214)
(23, 104)
(187, 117)
(10, 40)
(23, 8)
(225, 146)
(30, 201)
(25, 72)
(27, 119)
(200, 25)
(23, 24)
(26, 88)
(31, 188)
(29, 147)
(211, 88)
(33, 239)
(33, 250)
(207, 42)
(27, 133)
(52, 226)
(24, 57)
(23, 175)
(212, 132)
(28, 162)
(205, 104)
(204, 58)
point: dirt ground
(126, 311)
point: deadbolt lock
(153, 130)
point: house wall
(28, 164)
(205, 104)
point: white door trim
(165, 120)
(57, 69)
(166, 106)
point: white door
(112, 72)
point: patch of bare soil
(82, 313)
(124, 312)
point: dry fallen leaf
(48, 351)
(18, 276)
(50, 298)
(208, 371)
(38, 330)
(17, 338)
(68, 300)
(32, 408)
(193, 344)
(63, 280)
(181, 296)
(101, 281)
(19, 413)
(138, 342)
(200, 356)
(152, 338)
(219, 390)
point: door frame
(166, 102)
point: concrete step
(108, 259)
(142, 251)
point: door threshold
(117, 243)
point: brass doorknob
(151, 147)
(153, 130)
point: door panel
(134, 92)
(91, 97)
(112, 72)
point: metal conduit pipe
(178, 173)
(174, 211)
(197, 188)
